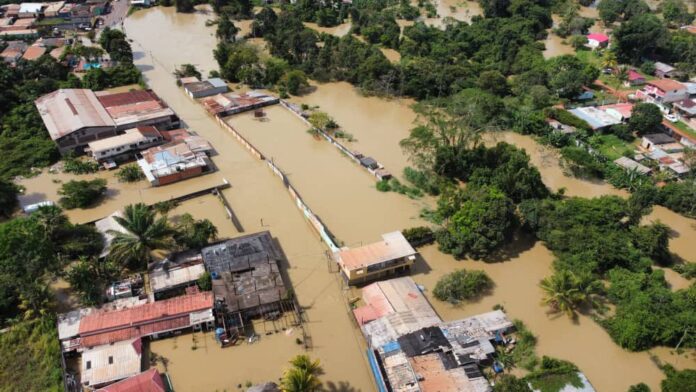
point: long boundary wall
(301, 205)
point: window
(89, 365)
(111, 360)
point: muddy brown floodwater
(344, 197)
(261, 203)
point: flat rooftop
(393, 246)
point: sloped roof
(111, 362)
(666, 84)
(34, 52)
(599, 37)
(65, 111)
(147, 381)
(393, 246)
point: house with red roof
(635, 79)
(597, 40)
(147, 381)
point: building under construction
(247, 281)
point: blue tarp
(376, 373)
(390, 347)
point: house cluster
(118, 127)
(106, 344)
(227, 104)
(16, 50)
(23, 20)
(411, 349)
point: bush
(419, 236)
(679, 197)
(130, 173)
(565, 117)
(581, 163)
(78, 166)
(553, 375)
(205, 281)
(422, 181)
(81, 194)
(678, 380)
(383, 186)
(462, 285)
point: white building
(133, 140)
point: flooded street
(261, 203)
(343, 195)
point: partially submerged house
(108, 363)
(171, 276)
(76, 117)
(410, 349)
(196, 88)
(107, 227)
(392, 255)
(630, 164)
(147, 381)
(247, 282)
(173, 162)
(124, 146)
(232, 103)
(597, 40)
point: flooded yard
(343, 195)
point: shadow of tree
(341, 386)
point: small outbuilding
(597, 40)
(205, 88)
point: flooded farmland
(344, 197)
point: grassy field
(612, 147)
(683, 127)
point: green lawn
(612, 147)
(52, 21)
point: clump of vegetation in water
(303, 375)
(130, 173)
(163, 207)
(553, 375)
(194, 234)
(394, 185)
(186, 71)
(419, 236)
(78, 166)
(678, 380)
(81, 194)
(462, 285)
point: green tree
(678, 380)
(184, 5)
(130, 173)
(676, 13)
(482, 222)
(641, 387)
(567, 75)
(205, 281)
(145, 234)
(186, 71)
(303, 376)
(81, 193)
(89, 277)
(294, 81)
(639, 38)
(8, 197)
(645, 118)
(461, 285)
(564, 291)
(194, 234)
(226, 30)
(510, 383)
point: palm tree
(609, 60)
(302, 376)
(145, 234)
(565, 292)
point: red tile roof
(666, 84)
(147, 381)
(599, 37)
(103, 327)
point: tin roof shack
(247, 282)
(663, 70)
(108, 363)
(596, 117)
(630, 164)
(654, 140)
(198, 89)
(147, 381)
(170, 277)
(392, 255)
(76, 117)
(124, 146)
(232, 103)
(686, 107)
(173, 162)
(196, 143)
